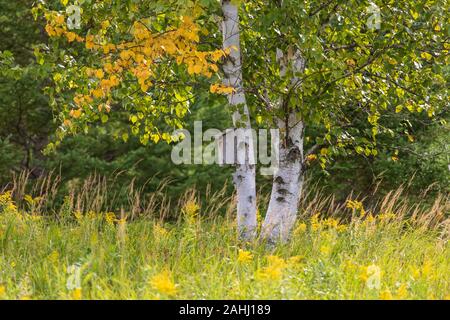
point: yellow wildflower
(386, 295)
(76, 294)
(78, 215)
(163, 283)
(300, 228)
(315, 223)
(244, 256)
(2, 291)
(191, 208)
(356, 205)
(276, 262)
(110, 217)
(121, 222)
(92, 215)
(325, 250)
(274, 269)
(269, 273)
(402, 292)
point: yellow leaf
(76, 113)
(71, 36)
(197, 68)
(144, 87)
(105, 24)
(259, 119)
(59, 19)
(99, 74)
(426, 56)
(97, 93)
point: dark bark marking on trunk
(283, 191)
(279, 180)
(294, 154)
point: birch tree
(312, 68)
(244, 177)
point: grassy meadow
(397, 250)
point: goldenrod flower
(2, 291)
(163, 283)
(341, 228)
(386, 295)
(244, 256)
(356, 205)
(121, 222)
(402, 292)
(190, 210)
(78, 215)
(276, 262)
(325, 250)
(300, 228)
(110, 217)
(76, 294)
(92, 215)
(274, 269)
(315, 223)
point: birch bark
(244, 177)
(288, 179)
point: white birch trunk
(244, 177)
(287, 185)
(288, 179)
